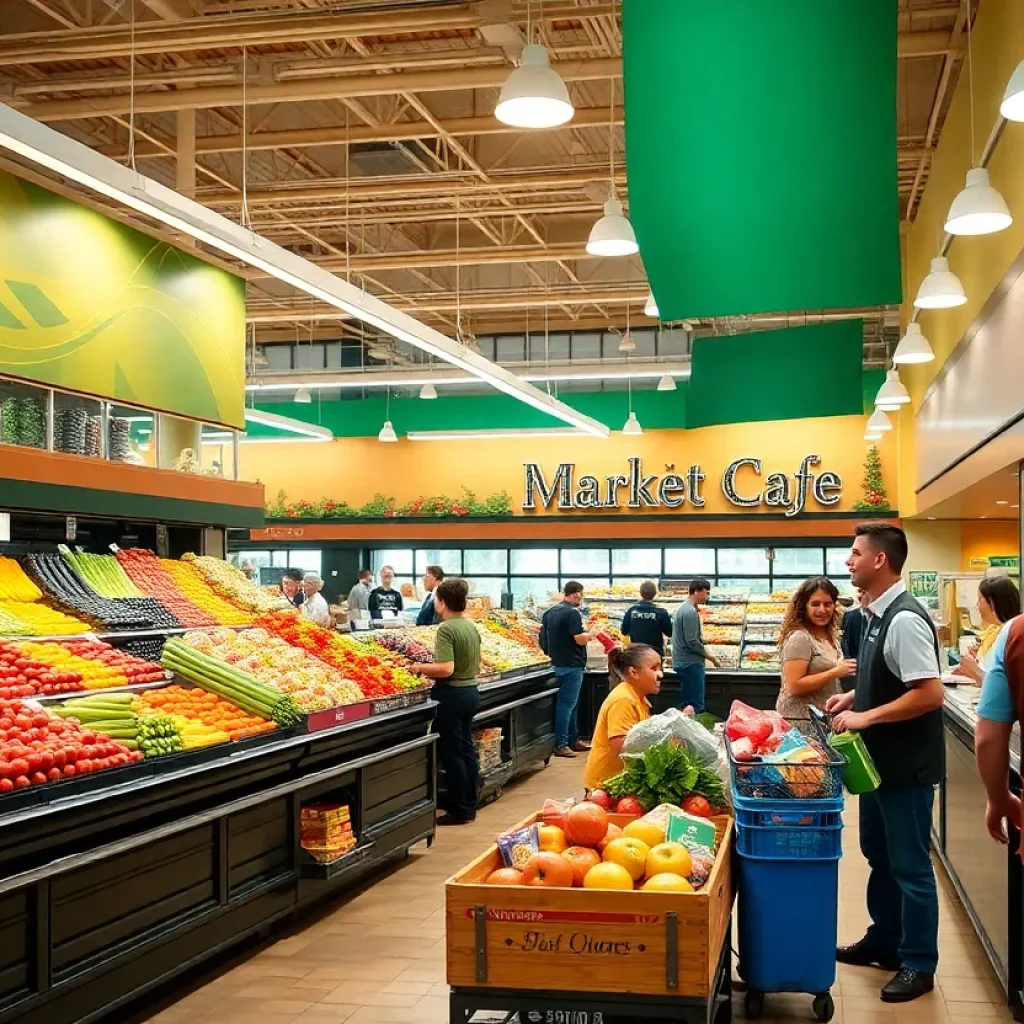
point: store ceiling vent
(383, 159)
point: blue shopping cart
(788, 845)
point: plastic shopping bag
(672, 725)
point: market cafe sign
(635, 489)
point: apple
(608, 876)
(629, 805)
(505, 876)
(628, 853)
(551, 839)
(548, 869)
(667, 883)
(645, 830)
(602, 799)
(614, 832)
(585, 824)
(669, 859)
(582, 859)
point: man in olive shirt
(455, 667)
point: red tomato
(69, 771)
(697, 806)
(20, 766)
(6, 785)
(21, 782)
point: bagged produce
(553, 812)
(752, 731)
(518, 846)
(672, 725)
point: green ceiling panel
(777, 375)
(761, 153)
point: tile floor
(377, 957)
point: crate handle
(672, 950)
(480, 941)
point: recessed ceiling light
(1002, 503)
(931, 517)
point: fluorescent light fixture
(612, 235)
(387, 433)
(978, 209)
(243, 439)
(650, 306)
(63, 155)
(667, 383)
(218, 435)
(303, 397)
(632, 426)
(1012, 107)
(913, 347)
(271, 419)
(878, 422)
(534, 95)
(892, 391)
(941, 289)
(428, 392)
(492, 433)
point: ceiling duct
(383, 159)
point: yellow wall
(980, 262)
(354, 469)
(981, 538)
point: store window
(784, 584)
(796, 561)
(582, 561)
(279, 558)
(591, 584)
(534, 561)
(450, 560)
(541, 589)
(511, 349)
(835, 562)
(485, 560)
(487, 586)
(631, 561)
(751, 585)
(689, 561)
(307, 561)
(257, 559)
(742, 561)
(400, 559)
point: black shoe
(455, 819)
(907, 985)
(860, 954)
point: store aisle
(378, 958)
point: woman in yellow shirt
(998, 602)
(639, 668)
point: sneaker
(454, 819)
(564, 752)
(581, 746)
(860, 954)
(907, 985)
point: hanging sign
(743, 484)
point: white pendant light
(650, 306)
(1012, 107)
(667, 383)
(627, 344)
(612, 235)
(878, 422)
(978, 209)
(913, 347)
(941, 289)
(632, 426)
(534, 95)
(869, 436)
(892, 392)
(387, 432)
(303, 397)
(428, 391)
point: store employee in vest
(428, 613)
(897, 707)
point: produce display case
(575, 953)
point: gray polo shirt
(687, 640)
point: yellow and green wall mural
(90, 305)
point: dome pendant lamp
(913, 347)
(612, 235)
(428, 391)
(650, 306)
(667, 383)
(878, 422)
(387, 432)
(892, 394)
(303, 397)
(534, 95)
(632, 426)
(941, 289)
(1012, 107)
(978, 209)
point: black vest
(911, 753)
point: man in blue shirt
(428, 613)
(998, 710)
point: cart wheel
(824, 1008)
(753, 1004)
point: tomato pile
(143, 568)
(36, 748)
(22, 676)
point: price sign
(5, 527)
(70, 528)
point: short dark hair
(364, 574)
(886, 539)
(648, 590)
(699, 584)
(436, 571)
(453, 592)
(572, 587)
(1003, 595)
(293, 574)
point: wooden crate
(587, 940)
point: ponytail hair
(622, 659)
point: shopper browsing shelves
(638, 671)
(688, 652)
(428, 613)
(998, 602)
(359, 596)
(645, 622)
(385, 598)
(455, 668)
(314, 607)
(897, 707)
(564, 640)
(812, 663)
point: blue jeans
(691, 687)
(570, 681)
(895, 836)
